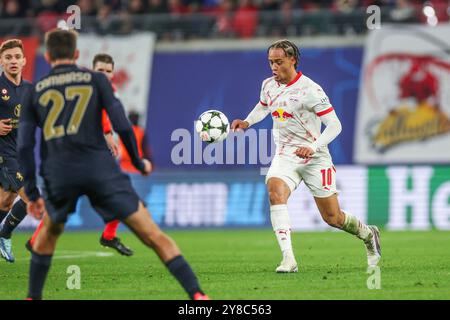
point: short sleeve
(262, 95)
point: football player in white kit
(298, 107)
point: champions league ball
(212, 126)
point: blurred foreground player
(298, 107)
(67, 105)
(102, 63)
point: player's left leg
(6, 204)
(41, 256)
(320, 177)
(335, 217)
(109, 239)
(12, 220)
(11, 181)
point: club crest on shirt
(281, 115)
(5, 96)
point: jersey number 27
(57, 99)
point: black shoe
(115, 243)
(29, 246)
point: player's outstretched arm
(258, 113)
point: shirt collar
(12, 84)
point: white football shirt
(296, 109)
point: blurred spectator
(270, 19)
(47, 20)
(136, 7)
(177, 7)
(223, 26)
(107, 21)
(12, 9)
(288, 25)
(345, 6)
(223, 18)
(44, 6)
(245, 19)
(116, 5)
(88, 7)
(403, 12)
(316, 5)
(270, 5)
(157, 6)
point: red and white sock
(281, 224)
(354, 226)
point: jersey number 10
(327, 177)
(58, 103)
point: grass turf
(240, 264)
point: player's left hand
(36, 208)
(112, 145)
(304, 152)
(148, 167)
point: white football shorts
(319, 174)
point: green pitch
(240, 264)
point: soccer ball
(212, 126)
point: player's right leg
(281, 179)
(279, 193)
(41, 256)
(167, 250)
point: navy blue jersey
(12, 99)
(67, 104)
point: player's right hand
(147, 167)
(5, 127)
(238, 125)
(36, 208)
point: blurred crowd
(217, 18)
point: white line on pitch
(77, 254)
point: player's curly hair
(289, 48)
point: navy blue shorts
(108, 189)
(10, 177)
